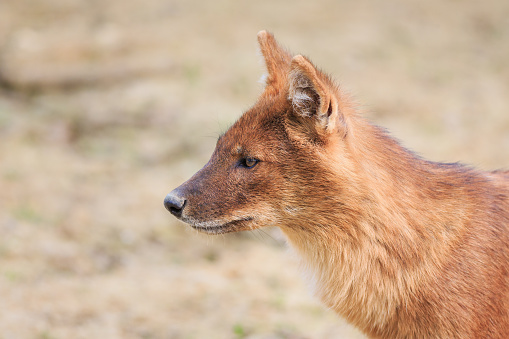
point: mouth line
(224, 228)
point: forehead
(263, 125)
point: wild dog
(399, 246)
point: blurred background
(105, 106)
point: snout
(175, 203)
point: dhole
(399, 246)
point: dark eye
(248, 162)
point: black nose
(174, 204)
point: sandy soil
(107, 106)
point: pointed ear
(277, 60)
(313, 95)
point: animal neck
(386, 236)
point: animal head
(279, 164)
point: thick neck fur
(372, 256)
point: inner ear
(329, 109)
(313, 95)
(305, 99)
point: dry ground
(105, 106)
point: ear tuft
(262, 35)
(277, 59)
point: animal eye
(248, 162)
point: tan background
(105, 106)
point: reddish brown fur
(399, 246)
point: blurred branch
(32, 77)
(34, 61)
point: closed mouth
(232, 226)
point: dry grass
(106, 106)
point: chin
(237, 225)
